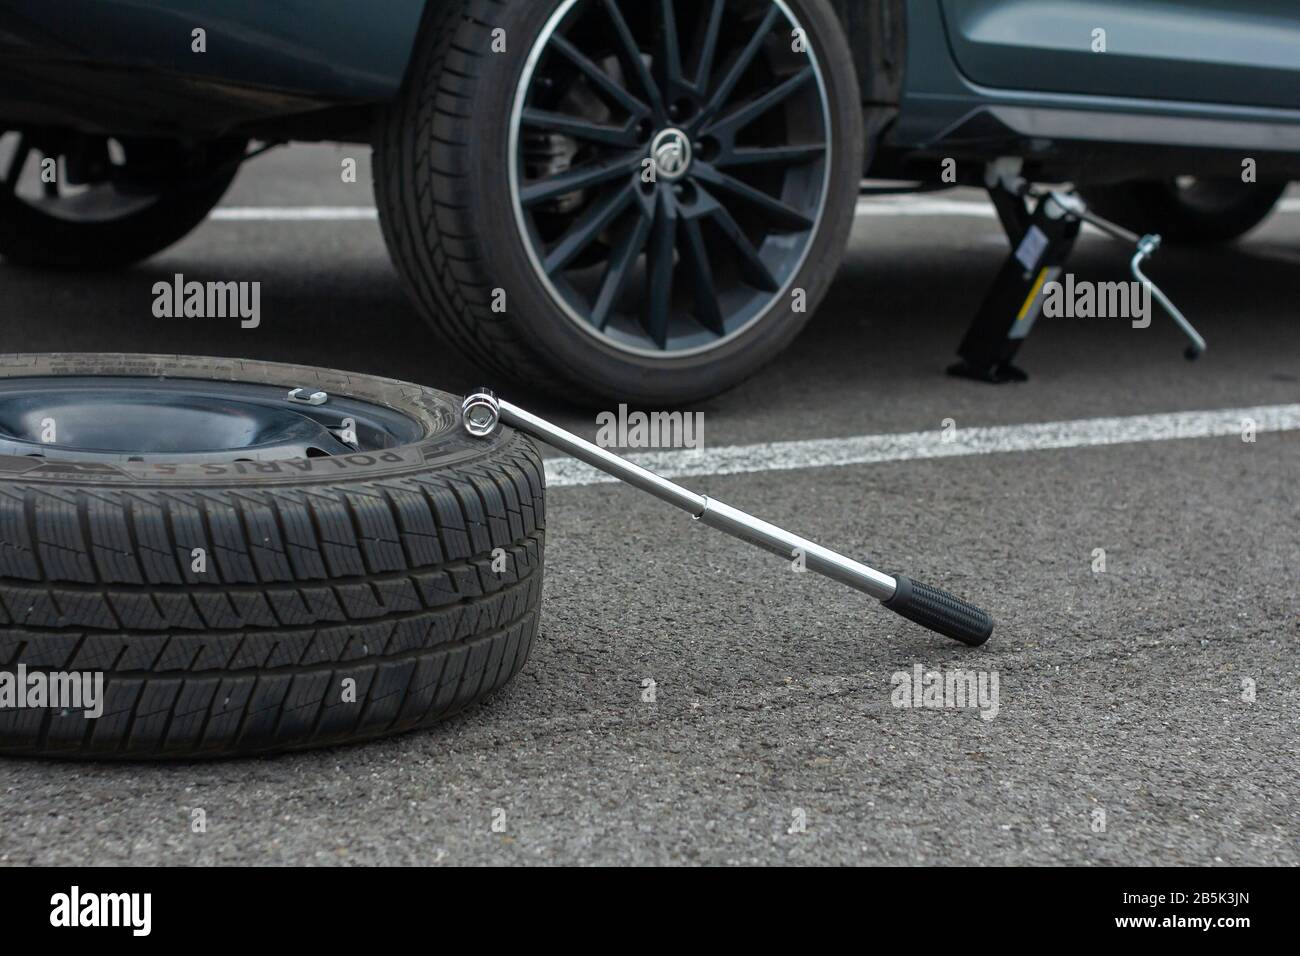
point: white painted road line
(910, 205)
(293, 213)
(929, 207)
(909, 446)
(917, 206)
(903, 205)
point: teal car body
(1182, 83)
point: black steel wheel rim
(728, 100)
(126, 419)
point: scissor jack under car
(1041, 242)
(482, 411)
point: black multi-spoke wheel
(71, 200)
(669, 164)
(647, 198)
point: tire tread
(388, 582)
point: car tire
(31, 236)
(414, 572)
(1198, 211)
(450, 214)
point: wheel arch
(877, 34)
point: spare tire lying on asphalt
(247, 571)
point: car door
(1243, 52)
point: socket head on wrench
(480, 412)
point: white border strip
(909, 446)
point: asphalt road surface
(1147, 713)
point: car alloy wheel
(39, 175)
(78, 201)
(668, 172)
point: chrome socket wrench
(482, 412)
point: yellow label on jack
(1033, 293)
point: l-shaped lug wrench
(1144, 248)
(930, 607)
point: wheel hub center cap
(671, 151)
